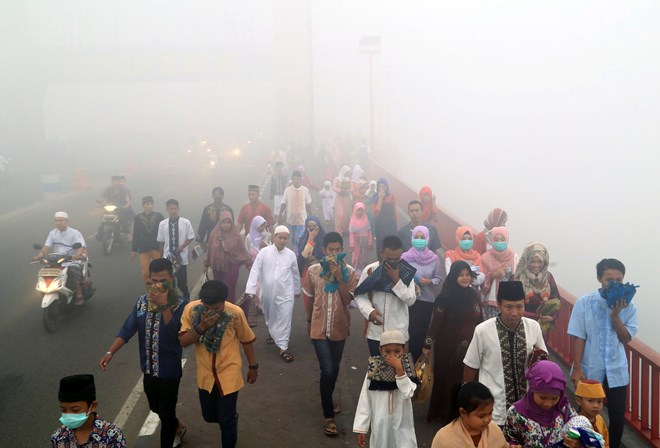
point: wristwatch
(254, 367)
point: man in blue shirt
(156, 318)
(599, 335)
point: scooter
(110, 229)
(52, 284)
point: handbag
(424, 369)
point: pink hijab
(359, 225)
(421, 257)
(493, 260)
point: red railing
(643, 407)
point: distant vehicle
(109, 232)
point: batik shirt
(103, 435)
(520, 430)
(160, 350)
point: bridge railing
(643, 404)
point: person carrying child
(385, 403)
(472, 407)
(590, 396)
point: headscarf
(358, 172)
(359, 225)
(318, 243)
(494, 260)
(472, 256)
(255, 235)
(428, 208)
(343, 174)
(225, 247)
(496, 218)
(453, 296)
(383, 181)
(544, 377)
(424, 256)
(534, 283)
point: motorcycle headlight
(110, 208)
(48, 288)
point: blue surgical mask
(499, 246)
(419, 243)
(465, 244)
(74, 421)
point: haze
(546, 109)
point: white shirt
(276, 271)
(392, 305)
(60, 242)
(296, 217)
(484, 354)
(186, 233)
(388, 430)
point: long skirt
(229, 278)
(342, 213)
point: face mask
(465, 244)
(74, 421)
(419, 243)
(499, 245)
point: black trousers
(181, 277)
(221, 410)
(420, 318)
(329, 354)
(616, 409)
(162, 395)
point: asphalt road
(33, 361)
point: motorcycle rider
(117, 194)
(60, 241)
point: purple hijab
(544, 377)
(421, 257)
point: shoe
(178, 439)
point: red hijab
(494, 260)
(471, 256)
(429, 210)
(225, 247)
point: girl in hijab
(384, 208)
(496, 218)
(500, 264)
(464, 251)
(456, 313)
(342, 187)
(258, 238)
(542, 300)
(359, 184)
(430, 212)
(537, 420)
(327, 201)
(428, 277)
(361, 240)
(226, 253)
(311, 244)
(368, 199)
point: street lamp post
(370, 45)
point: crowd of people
(478, 313)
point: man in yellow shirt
(218, 329)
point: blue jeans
(296, 234)
(329, 354)
(221, 410)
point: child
(537, 420)
(327, 200)
(81, 426)
(361, 238)
(590, 396)
(473, 425)
(385, 402)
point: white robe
(327, 202)
(277, 274)
(388, 430)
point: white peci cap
(281, 229)
(64, 215)
(392, 337)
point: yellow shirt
(601, 428)
(222, 368)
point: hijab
(471, 256)
(420, 256)
(453, 296)
(318, 242)
(496, 218)
(343, 174)
(544, 377)
(225, 246)
(359, 225)
(358, 172)
(534, 283)
(494, 260)
(429, 210)
(256, 237)
(381, 181)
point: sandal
(286, 356)
(270, 340)
(330, 428)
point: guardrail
(643, 404)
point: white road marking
(125, 411)
(152, 421)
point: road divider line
(126, 410)
(152, 421)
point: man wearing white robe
(276, 271)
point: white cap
(64, 215)
(281, 229)
(392, 337)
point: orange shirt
(224, 367)
(601, 428)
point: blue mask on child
(74, 421)
(499, 246)
(419, 243)
(466, 244)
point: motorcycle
(52, 284)
(109, 231)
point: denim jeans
(329, 354)
(221, 410)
